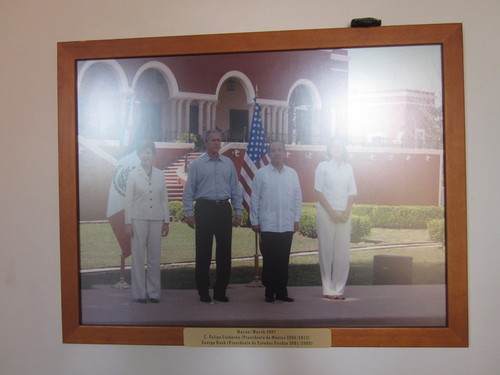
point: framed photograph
(394, 94)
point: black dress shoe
(142, 300)
(205, 298)
(221, 299)
(154, 300)
(285, 299)
(269, 299)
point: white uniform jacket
(146, 198)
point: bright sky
(394, 68)
(390, 68)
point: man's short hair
(210, 131)
(278, 141)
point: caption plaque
(258, 337)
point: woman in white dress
(335, 190)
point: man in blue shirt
(275, 209)
(213, 183)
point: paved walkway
(378, 305)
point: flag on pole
(256, 149)
(116, 200)
(129, 161)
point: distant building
(395, 136)
(396, 118)
(303, 96)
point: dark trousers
(213, 220)
(275, 249)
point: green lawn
(99, 248)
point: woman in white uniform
(335, 191)
(146, 220)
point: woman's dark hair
(342, 143)
(146, 144)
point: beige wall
(30, 316)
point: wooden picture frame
(448, 36)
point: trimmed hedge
(436, 230)
(360, 227)
(364, 218)
(177, 213)
(399, 217)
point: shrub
(177, 211)
(436, 230)
(307, 225)
(245, 220)
(361, 227)
(309, 209)
(191, 138)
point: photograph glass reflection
(384, 102)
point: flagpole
(256, 283)
(122, 284)
(124, 146)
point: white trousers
(146, 240)
(334, 241)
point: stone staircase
(172, 179)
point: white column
(201, 103)
(173, 119)
(315, 127)
(280, 122)
(274, 124)
(208, 116)
(285, 124)
(187, 116)
(178, 128)
(126, 111)
(251, 108)
(264, 118)
(214, 115)
(165, 120)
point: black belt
(217, 202)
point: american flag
(256, 149)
